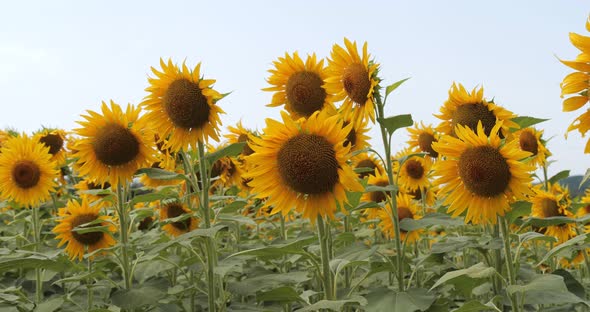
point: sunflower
(357, 137)
(480, 174)
(54, 139)
(469, 108)
(299, 86)
(78, 214)
(429, 192)
(353, 78)
(585, 200)
(422, 137)
(381, 180)
(367, 164)
(165, 162)
(553, 204)
(406, 208)
(415, 170)
(27, 173)
(3, 137)
(302, 164)
(175, 209)
(240, 134)
(530, 141)
(86, 185)
(113, 145)
(182, 106)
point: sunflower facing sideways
(78, 214)
(175, 209)
(182, 106)
(353, 78)
(299, 86)
(422, 137)
(27, 173)
(114, 145)
(302, 165)
(469, 108)
(480, 174)
(357, 138)
(54, 139)
(553, 203)
(530, 140)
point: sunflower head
(299, 86)
(467, 109)
(82, 215)
(113, 145)
(182, 106)
(175, 209)
(415, 170)
(576, 85)
(55, 140)
(481, 174)
(27, 172)
(240, 134)
(357, 138)
(422, 137)
(406, 209)
(529, 140)
(553, 203)
(368, 164)
(302, 165)
(352, 77)
(379, 179)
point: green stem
(89, 285)
(37, 240)
(393, 193)
(347, 270)
(123, 233)
(498, 260)
(545, 179)
(327, 273)
(210, 243)
(508, 259)
(283, 227)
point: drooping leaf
(161, 174)
(50, 305)
(544, 222)
(476, 271)
(432, 219)
(572, 284)
(295, 247)
(518, 209)
(267, 282)
(476, 306)
(137, 297)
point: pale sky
(60, 58)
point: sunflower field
(159, 206)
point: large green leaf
(33, 262)
(233, 149)
(385, 299)
(267, 282)
(396, 122)
(137, 297)
(559, 176)
(546, 289)
(161, 174)
(476, 306)
(578, 240)
(477, 271)
(572, 284)
(545, 222)
(527, 121)
(283, 294)
(432, 219)
(295, 247)
(50, 305)
(335, 305)
(518, 209)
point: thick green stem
(393, 193)
(283, 227)
(210, 243)
(545, 179)
(36, 222)
(89, 286)
(327, 278)
(123, 233)
(508, 260)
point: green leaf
(394, 86)
(161, 174)
(580, 239)
(33, 263)
(585, 178)
(283, 294)
(527, 121)
(236, 218)
(396, 122)
(377, 188)
(453, 243)
(544, 222)
(335, 305)
(572, 284)
(267, 282)
(233, 206)
(145, 270)
(137, 297)
(518, 209)
(476, 306)
(295, 247)
(559, 176)
(476, 271)
(545, 289)
(147, 198)
(429, 220)
(384, 299)
(233, 149)
(50, 305)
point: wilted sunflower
(422, 137)
(114, 145)
(182, 106)
(54, 139)
(357, 138)
(369, 164)
(480, 174)
(352, 78)
(530, 141)
(299, 86)
(302, 165)
(77, 215)
(27, 173)
(406, 208)
(175, 209)
(468, 108)
(415, 171)
(553, 204)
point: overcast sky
(60, 58)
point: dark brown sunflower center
(175, 210)
(94, 186)
(366, 163)
(26, 174)
(470, 114)
(145, 224)
(379, 196)
(403, 213)
(54, 141)
(186, 105)
(550, 208)
(357, 83)
(414, 169)
(115, 145)
(416, 194)
(305, 92)
(586, 209)
(528, 142)
(307, 164)
(351, 137)
(425, 141)
(247, 149)
(217, 168)
(484, 171)
(89, 238)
